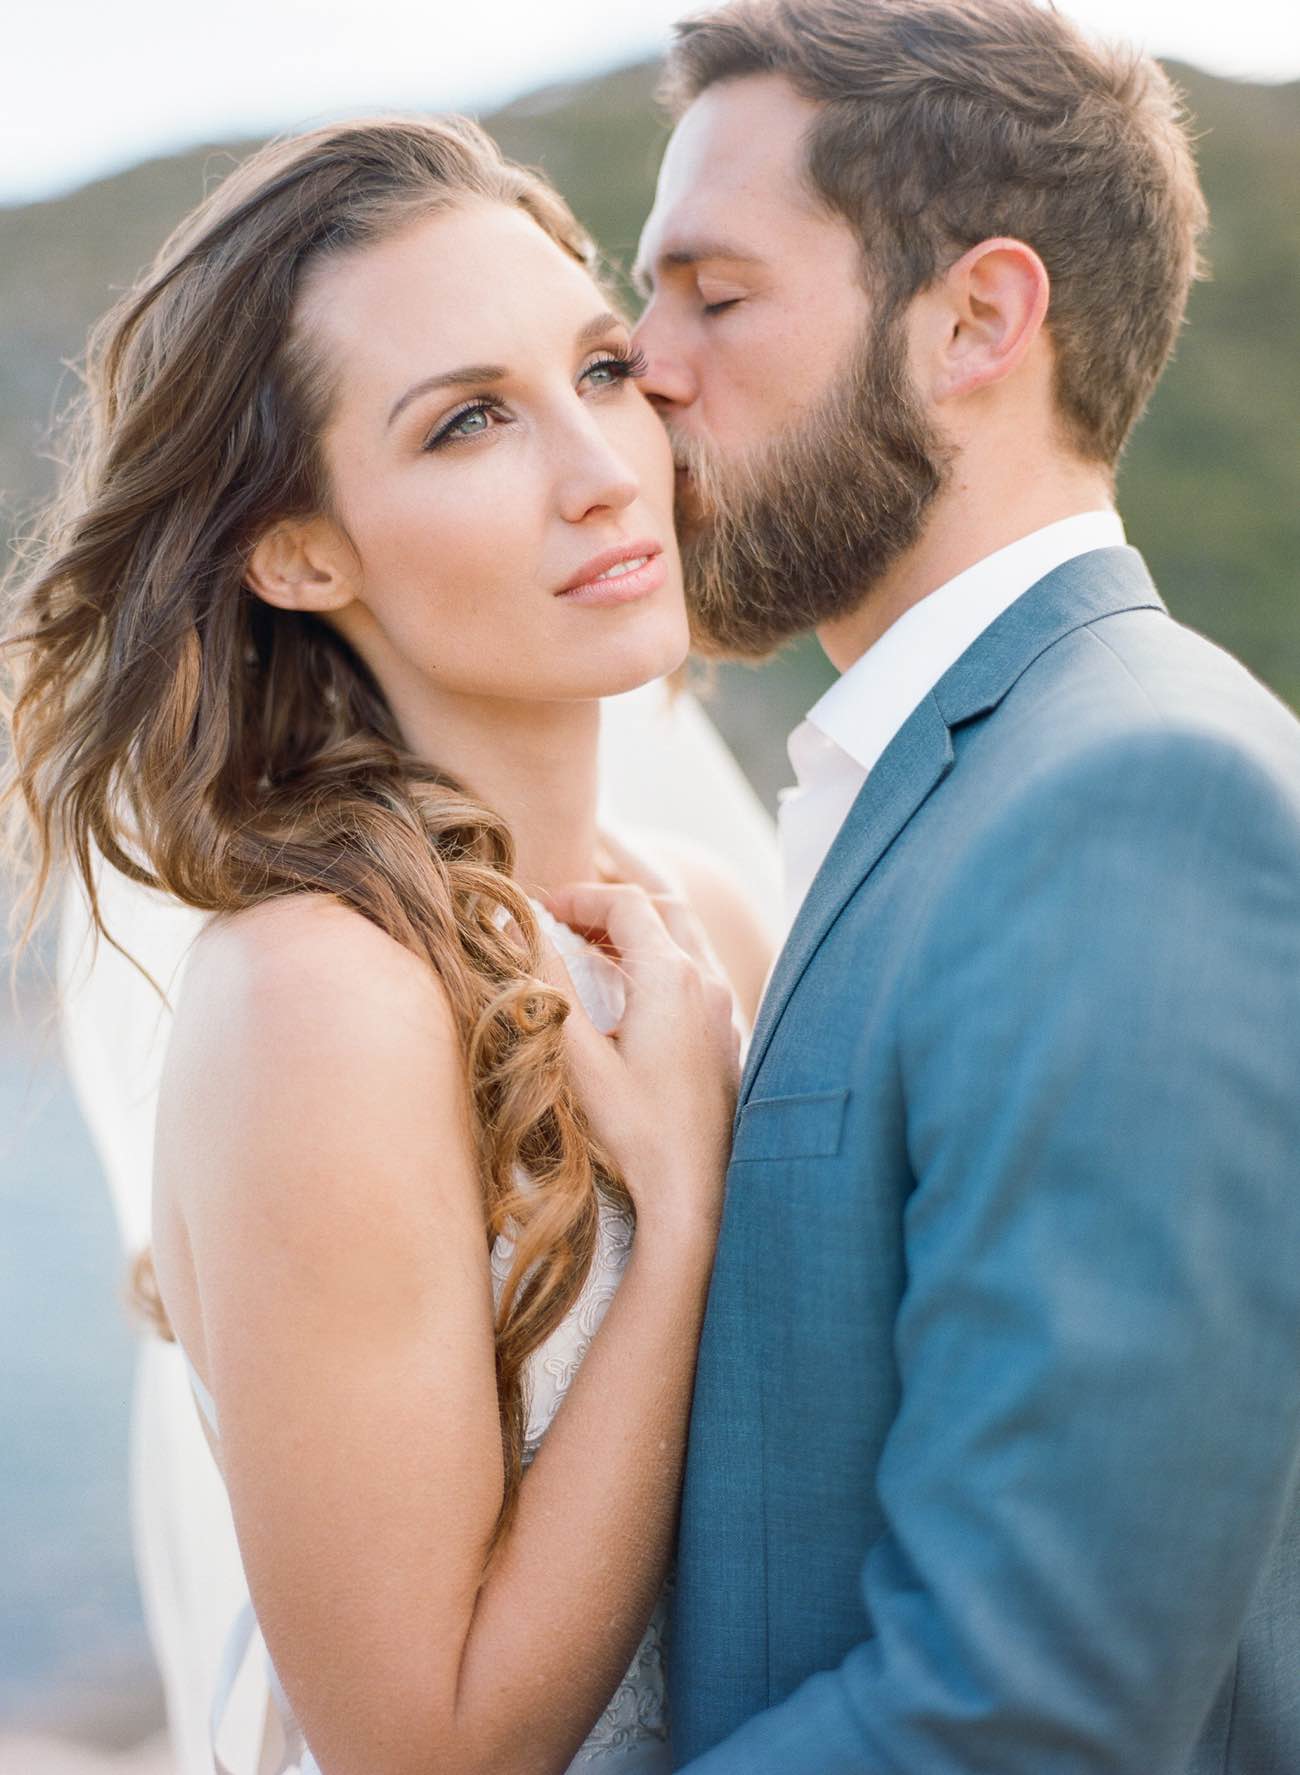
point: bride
(368, 516)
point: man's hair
(946, 122)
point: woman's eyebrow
(597, 328)
(590, 334)
(448, 379)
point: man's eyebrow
(692, 252)
(591, 334)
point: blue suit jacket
(995, 1453)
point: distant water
(72, 1641)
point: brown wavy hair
(227, 752)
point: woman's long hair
(227, 752)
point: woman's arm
(314, 1126)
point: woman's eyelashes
(621, 365)
(474, 419)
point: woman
(367, 518)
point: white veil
(663, 767)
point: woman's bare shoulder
(301, 1021)
(306, 967)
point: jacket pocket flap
(805, 1127)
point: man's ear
(994, 301)
(303, 564)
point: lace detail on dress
(637, 1715)
(552, 1366)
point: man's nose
(669, 380)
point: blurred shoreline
(78, 1687)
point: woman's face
(489, 460)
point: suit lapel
(918, 758)
(1101, 583)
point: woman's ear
(995, 301)
(303, 564)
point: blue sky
(91, 87)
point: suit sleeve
(1099, 1431)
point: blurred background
(116, 120)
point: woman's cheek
(651, 453)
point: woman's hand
(660, 1093)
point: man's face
(755, 293)
(806, 461)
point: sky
(90, 88)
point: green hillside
(1211, 486)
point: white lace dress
(631, 1735)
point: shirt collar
(866, 706)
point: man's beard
(800, 530)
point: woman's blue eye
(473, 421)
(461, 427)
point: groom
(996, 1441)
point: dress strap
(232, 1662)
(281, 1747)
(207, 1404)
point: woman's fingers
(686, 931)
(679, 918)
(622, 913)
(666, 979)
(660, 1093)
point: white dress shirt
(835, 748)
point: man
(996, 1435)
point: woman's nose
(595, 478)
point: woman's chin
(624, 660)
(631, 668)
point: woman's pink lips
(630, 549)
(623, 588)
